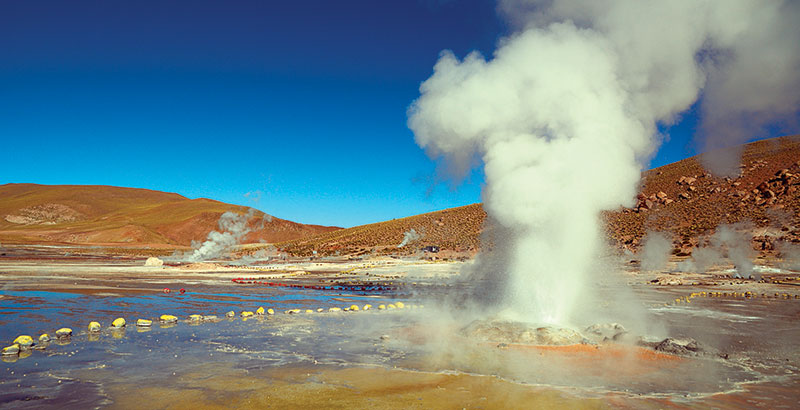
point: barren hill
(686, 200)
(454, 229)
(106, 215)
(681, 198)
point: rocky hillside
(680, 198)
(685, 200)
(105, 215)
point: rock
(381, 307)
(24, 341)
(334, 309)
(683, 195)
(44, 338)
(502, 331)
(391, 306)
(195, 318)
(400, 305)
(209, 318)
(320, 310)
(118, 323)
(144, 323)
(230, 314)
(11, 350)
(168, 319)
(661, 195)
(678, 346)
(354, 307)
(292, 311)
(367, 307)
(385, 337)
(64, 332)
(605, 332)
(153, 261)
(260, 310)
(94, 327)
(270, 312)
(309, 311)
(246, 314)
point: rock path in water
(23, 346)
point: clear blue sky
(300, 104)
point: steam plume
(564, 115)
(409, 236)
(232, 228)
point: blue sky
(294, 108)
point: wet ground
(412, 357)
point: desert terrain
(379, 315)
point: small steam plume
(409, 236)
(655, 251)
(565, 114)
(232, 229)
(729, 243)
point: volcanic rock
(603, 332)
(678, 346)
(502, 331)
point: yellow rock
(260, 310)
(144, 322)
(334, 309)
(320, 310)
(230, 314)
(195, 318)
(94, 327)
(23, 341)
(168, 318)
(309, 311)
(270, 312)
(367, 307)
(118, 322)
(246, 314)
(400, 305)
(44, 337)
(391, 306)
(64, 332)
(292, 311)
(354, 307)
(381, 307)
(11, 350)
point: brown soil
(124, 217)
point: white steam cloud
(232, 229)
(564, 115)
(655, 251)
(409, 236)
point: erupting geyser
(565, 114)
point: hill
(455, 229)
(686, 200)
(681, 198)
(106, 215)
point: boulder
(63, 332)
(678, 346)
(23, 341)
(153, 261)
(603, 332)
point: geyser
(565, 113)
